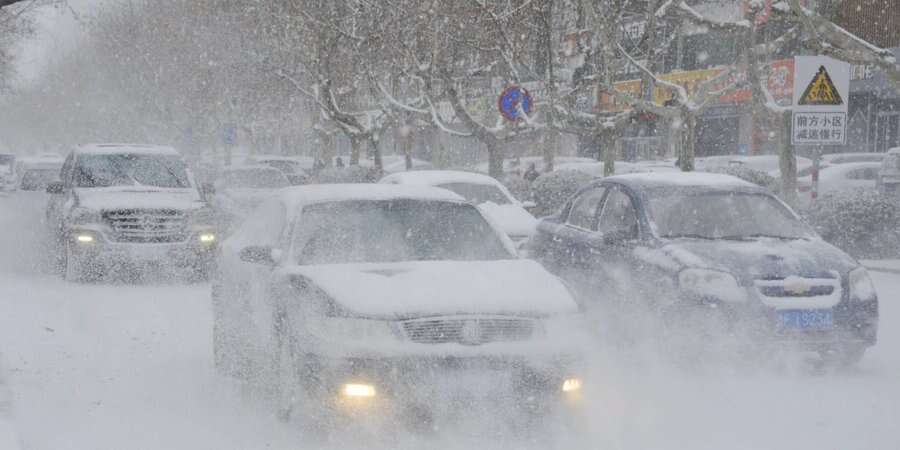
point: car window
(618, 214)
(584, 210)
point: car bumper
(853, 325)
(363, 385)
(100, 251)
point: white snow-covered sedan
(863, 175)
(390, 301)
(489, 194)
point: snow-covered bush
(754, 176)
(519, 187)
(861, 222)
(351, 174)
(551, 190)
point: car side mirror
(56, 187)
(260, 254)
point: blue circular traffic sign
(510, 100)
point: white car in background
(837, 177)
(596, 168)
(763, 163)
(844, 158)
(240, 189)
(374, 302)
(295, 168)
(520, 165)
(35, 174)
(489, 194)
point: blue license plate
(806, 319)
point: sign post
(821, 100)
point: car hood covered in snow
(431, 288)
(512, 219)
(765, 257)
(248, 198)
(141, 197)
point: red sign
(781, 83)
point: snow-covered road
(129, 367)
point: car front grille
(824, 285)
(147, 225)
(468, 330)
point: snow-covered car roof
(42, 162)
(110, 149)
(846, 158)
(683, 180)
(839, 169)
(249, 167)
(299, 196)
(437, 177)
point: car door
(611, 246)
(246, 285)
(569, 243)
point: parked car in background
(519, 165)
(844, 158)
(295, 168)
(7, 175)
(596, 168)
(836, 177)
(715, 249)
(489, 194)
(372, 300)
(128, 204)
(763, 163)
(240, 189)
(889, 173)
(35, 174)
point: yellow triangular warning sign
(821, 91)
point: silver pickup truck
(128, 206)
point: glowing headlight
(84, 238)
(349, 329)
(861, 287)
(207, 238)
(84, 216)
(571, 385)
(714, 284)
(358, 390)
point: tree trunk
(355, 148)
(376, 156)
(550, 149)
(688, 141)
(495, 159)
(610, 150)
(787, 162)
(407, 151)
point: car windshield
(723, 215)
(477, 193)
(394, 230)
(253, 179)
(166, 171)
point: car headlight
(861, 287)
(84, 216)
(714, 284)
(352, 329)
